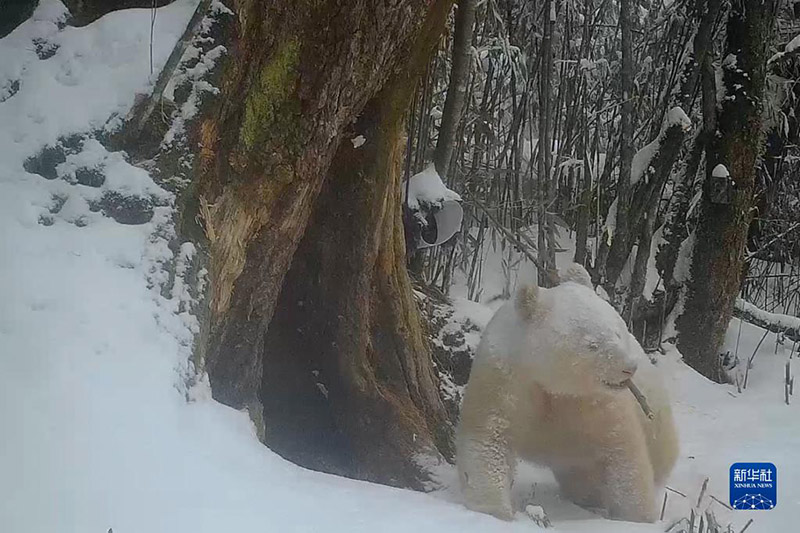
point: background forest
(623, 176)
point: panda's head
(576, 343)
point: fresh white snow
(644, 157)
(792, 45)
(776, 319)
(720, 171)
(426, 188)
(106, 425)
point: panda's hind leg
(581, 485)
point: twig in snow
(787, 381)
(746, 525)
(664, 505)
(752, 357)
(711, 522)
(640, 398)
(675, 491)
(722, 503)
(675, 524)
(702, 492)
(738, 336)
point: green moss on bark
(273, 105)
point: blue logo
(754, 486)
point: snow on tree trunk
(701, 74)
(650, 169)
(721, 234)
(313, 326)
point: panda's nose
(630, 369)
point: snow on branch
(792, 48)
(776, 322)
(427, 189)
(644, 157)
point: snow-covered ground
(100, 429)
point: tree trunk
(313, 326)
(702, 73)
(639, 275)
(456, 87)
(616, 256)
(722, 230)
(546, 237)
(584, 192)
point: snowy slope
(100, 429)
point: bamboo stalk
(640, 398)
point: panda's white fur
(547, 385)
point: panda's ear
(528, 302)
(577, 274)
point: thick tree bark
(722, 230)
(456, 87)
(328, 355)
